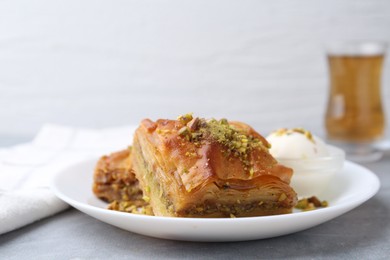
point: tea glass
(355, 119)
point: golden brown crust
(191, 169)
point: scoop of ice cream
(296, 143)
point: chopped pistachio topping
(185, 118)
(193, 124)
(183, 131)
(285, 131)
(324, 204)
(311, 203)
(236, 143)
(232, 139)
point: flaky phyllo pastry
(193, 167)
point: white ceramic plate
(355, 185)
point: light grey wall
(106, 63)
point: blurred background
(112, 63)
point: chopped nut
(315, 201)
(193, 124)
(302, 204)
(282, 197)
(185, 118)
(311, 203)
(310, 206)
(285, 131)
(224, 121)
(183, 131)
(195, 136)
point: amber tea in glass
(355, 117)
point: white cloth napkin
(26, 169)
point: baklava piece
(192, 167)
(115, 182)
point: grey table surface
(363, 233)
